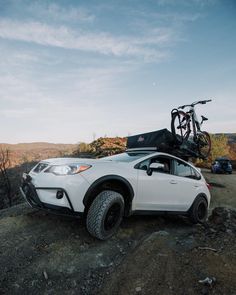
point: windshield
(127, 157)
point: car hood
(64, 161)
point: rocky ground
(47, 254)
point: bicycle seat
(204, 118)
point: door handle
(173, 182)
(196, 185)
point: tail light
(208, 185)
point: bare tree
(5, 183)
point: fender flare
(102, 179)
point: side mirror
(154, 166)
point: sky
(72, 71)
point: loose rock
(45, 275)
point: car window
(144, 165)
(160, 159)
(184, 170)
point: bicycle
(185, 127)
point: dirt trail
(223, 189)
(46, 254)
(173, 261)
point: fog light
(60, 194)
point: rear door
(186, 184)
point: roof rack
(154, 149)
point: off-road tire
(100, 214)
(199, 210)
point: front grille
(40, 167)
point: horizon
(76, 143)
(74, 71)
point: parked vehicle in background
(221, 165)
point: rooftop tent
(162, 140)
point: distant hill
(37, 145)
(35, 151)
(231, 137)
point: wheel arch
(110, 182)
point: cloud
(145, 46)
(59, 13)
(76, 87)
(16, 58)
(18, 113)
(174, 17)
(197, 3)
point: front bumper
(30, 194)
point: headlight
(69, 169)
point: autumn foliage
(219, 146)
(101, 147)
(108, 146)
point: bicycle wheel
(204, 144)
(180, 126)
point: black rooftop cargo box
(163, 141)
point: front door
(155, 191)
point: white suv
(104, 190)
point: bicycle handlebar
(194, 103)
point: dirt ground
(47, 254)
(223, 189)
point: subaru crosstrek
(105, 190)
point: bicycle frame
(186, 129)
(196, 125)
